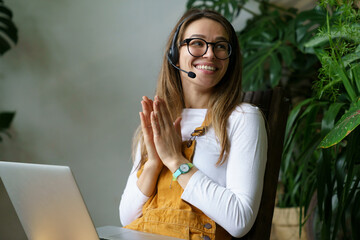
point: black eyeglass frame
(188, 40)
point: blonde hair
(226, 94)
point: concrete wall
(75, 80)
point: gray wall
(76, 79)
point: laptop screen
(47, 201)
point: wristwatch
(184, 168)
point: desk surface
(119, 233)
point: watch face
(184, 168)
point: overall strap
(199, 131)
(188, 147)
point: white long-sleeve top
(229, 194)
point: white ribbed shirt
(229, 194)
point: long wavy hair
(226, 94)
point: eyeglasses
(198, 47)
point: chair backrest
(275, 107)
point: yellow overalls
(166, 213)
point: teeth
(205, 67)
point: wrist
(154, 166)
(183, 169)
(175, 163)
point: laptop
(49, 205)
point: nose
(210, 52)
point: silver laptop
(49, 205)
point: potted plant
(8, 38)
(323, 130)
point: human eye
(222, 46)
(197, 43)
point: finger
(178, 126)
(148, 103)
(155, 124)
(165, 120)
(143, 105)
(144, 124)
(158, 114)
(149, 144)
(145, 114)
(165, 113)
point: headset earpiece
(173, 53)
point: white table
(119, 233)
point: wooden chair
(275, 107)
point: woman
(200, 153)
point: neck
(196, 100)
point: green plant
(8, 38)
(228, 8)
(323, 131)
(272, 42)
(5, 121)
(8, 30)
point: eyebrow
(220, 38)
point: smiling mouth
(206, 67)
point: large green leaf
(355, 74)
(355, 218)
(351, 57)
(307, 24)
(348, 122)
(8, 30)
(228, 8)
(293, 120)
(287, 54)
(323, 39)
(328, 120)
(275, 70)
(5, 121)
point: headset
(173, 54)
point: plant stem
(277, 7)
(248, 10)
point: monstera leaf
(228, 8)
(348, 122)
(8, 30)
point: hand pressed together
(162, 137)
(167, 135)
(153, 157)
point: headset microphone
(190, 74)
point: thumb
(178, 126)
